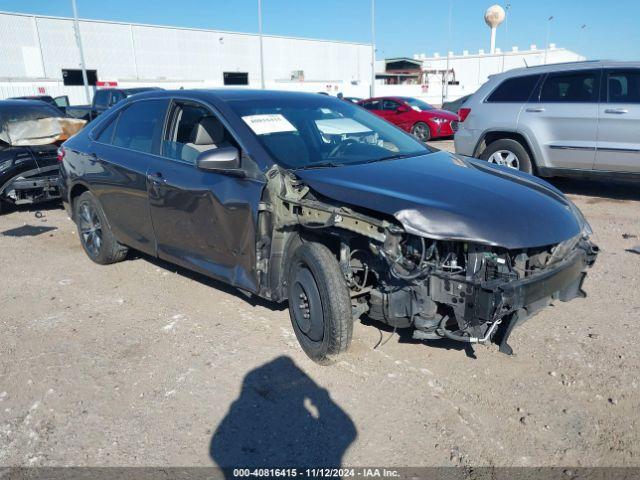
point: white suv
(557, 120)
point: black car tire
(513, 146)
(421, 131)
(95, 232)
(317, 288)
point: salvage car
(310, 199)
(30, 133)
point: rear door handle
(616, 111)
(535, 110)
(156, 178)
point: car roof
(560, 67)
(229, 94)
(21, 102)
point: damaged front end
(442, 288)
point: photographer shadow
(282, 419)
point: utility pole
(261, 47)
(445, 93)
(507, 7)
(76, 26)
(546, 49)
(373, 49)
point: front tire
(509, 153)
(96, 236)
(421, 131)
(319, 303)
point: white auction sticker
(268, 123)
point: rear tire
(96, 236)
(421, 131)
(319, 303)
(509, 153)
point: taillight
(61, 154)
(463, 113)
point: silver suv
(557, 120)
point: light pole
(546, 49)
(581, 38)
(373, 48)
(261, 47)
(507, 7)
(445, 89)
(76, 27)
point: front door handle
(156, 178)
(616, 111)
(535, 110)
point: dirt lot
(140, 364)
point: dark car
(104, 99)
(413, 115)
(310, 199)
(29, 170)
(61, 102)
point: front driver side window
(193, 129)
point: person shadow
(282, 419)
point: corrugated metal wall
(40, 47)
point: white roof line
(192, 29)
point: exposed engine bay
(460, 290)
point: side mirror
(221, 160)
(402, 109)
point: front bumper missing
(482, 304)
(34, 189)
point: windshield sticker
(340, 126)
(269, 123)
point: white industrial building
(36, 50)
(435, 77)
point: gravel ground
(142, 364)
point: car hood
(449, 197)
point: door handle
(156, 178)
(616, 111)
(535, 110)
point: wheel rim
(90, 229)
(306, 305)
(505, 158)
(421, 132)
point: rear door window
(623, 86)
(518, 89)
(390, 105)
(571, 87)
(139, 126)
(373, 105)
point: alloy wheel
(90, 229)
(505, 158)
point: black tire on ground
(319, 303)
(95, 233)
(421, 131)
(512, 146)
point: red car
(413, 115)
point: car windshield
(417, 104)
(320, 131)
(27, 110)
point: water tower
(493, 17)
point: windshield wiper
(391, 157)
(322, 165)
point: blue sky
(404, 27)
